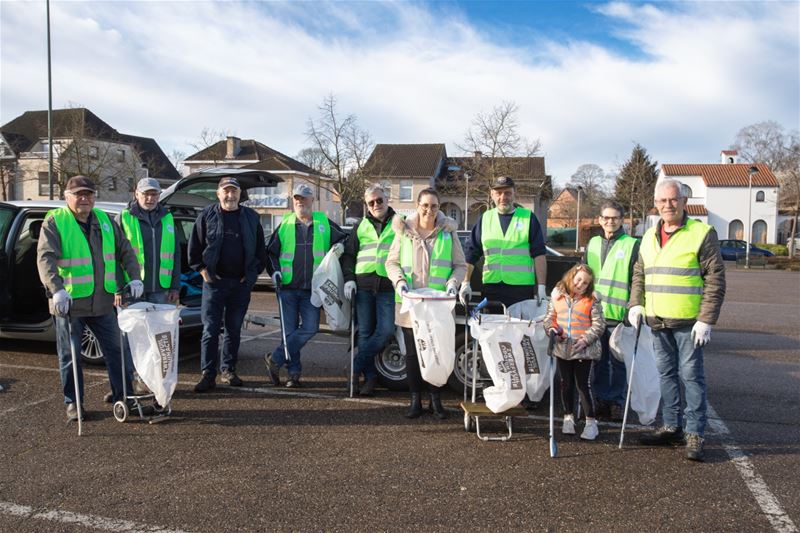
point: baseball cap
(80, 183)
(148, 184)
(303, 190)
(502, 182)
(229, 182)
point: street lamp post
(750, 172)
(466, 199)
(578, 220)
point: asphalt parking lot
(263, 459)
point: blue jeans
(375, 312)
(609, 381)
(159, 297)
(224, 302)
(680, 363)
(301, 322)
(106, 330)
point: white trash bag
(434, 332)
(537, 369)
(646, 384)
(327, 291)
(152, 332)
(504, 341)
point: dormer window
(760, 196)
(731, 160)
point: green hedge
(777, 249)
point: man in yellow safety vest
(678, 286)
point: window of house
(730, 160)
(406, 192)
(760, 196)
(44, 184)
(112, 184)
(387, 189)
(93, 152)
(686, 190)
(121, 155)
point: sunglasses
(376, 201)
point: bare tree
(176, 157)
(594, 182)
(7, 174)
(345, 147)
(497, 149)
(315, 159)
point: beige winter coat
(421, 257)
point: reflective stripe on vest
(133, 231)
(673, 282)
(373, 250)
(574, 317)
(286, 234)
(507, 257)
(441, 262)
(75, 264)
(613, 278)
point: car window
(740, 245)
(6, 216)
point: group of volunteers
(674, 279)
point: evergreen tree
(636, 184)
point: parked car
(24, 312)
(731, 248)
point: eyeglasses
(82, 194)
(376, 201)
(609, 219)
(665, 201)
(429, 207)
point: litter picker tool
(352, 345)
(278, 292)
(75, 375)
(630, 382)
(550, 346)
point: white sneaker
(568, 428)
(590, 432)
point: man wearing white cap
(227, 249)
(150, 228)
(295, 250)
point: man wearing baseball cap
(295, 250)
(150, 228)
(510, 239)
(78, 252)
(227, 249)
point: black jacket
(206, 241)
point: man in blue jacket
(227, 249)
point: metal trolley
(474, 411)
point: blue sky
(590, 79)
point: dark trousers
(415, 381)
(576, 372)
(224, 302)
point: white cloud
(411, 73)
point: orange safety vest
(574, 316)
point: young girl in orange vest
(576, 318)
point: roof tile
(724, 175)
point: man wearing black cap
(510, 239)
(227, 249)
(78, 252)
(295, 249)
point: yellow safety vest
(133, 230)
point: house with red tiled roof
(729, 197)
(271, 203)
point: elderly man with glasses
(364, 269)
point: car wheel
(90, 348)
(391, 366)
(457, 378)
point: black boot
(416, 406)
(436, 406)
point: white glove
(338, 249)
(137, 289)
(402, 287)
(62, 301)
(350, 290)
(465, 293)
(276, 278)
(701, 334)
(541, 294)
(635, 315)
(452, 288)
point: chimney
(478, 154)
(233, 147)
(728, 157)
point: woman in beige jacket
(422, 229)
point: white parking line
(769, 504)
(48, 398)
(85, 520)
